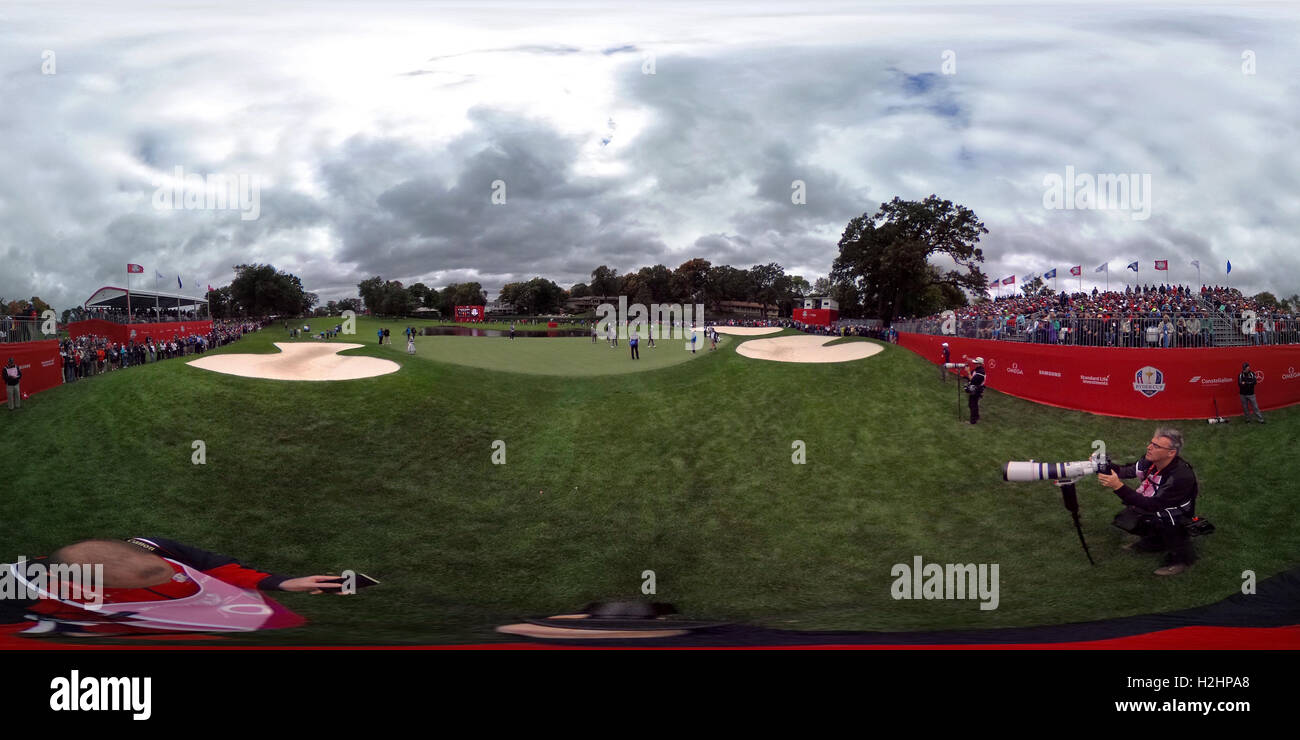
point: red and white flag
(1076, 270)
(1009, 281)
(1162, 264)
(134, 268)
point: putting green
(573, 356)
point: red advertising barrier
(39, 361)
(816, 316)
(470, 313)
(1174, 383)
(124, 333)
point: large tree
(885, 257)
(396, 300)
(460, 294)
(371, 292)
(658, 282)
(771, 284)
(604, 281)
(799, 288)
(691, 281)
(423, 295)
(536, 296)
(221, 304)
(727, 283)
(262, 290)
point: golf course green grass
(567, 356)
(684, 468)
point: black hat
(600, 619)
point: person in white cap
(947, 357)
(975, 387)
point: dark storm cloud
(553, 222)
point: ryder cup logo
(1148, 381)
(473, 312)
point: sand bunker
(747, 331)
(300, 362)
(806, 349)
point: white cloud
(379, 129)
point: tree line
(909, 258)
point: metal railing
(1205, 329)
(14, 329)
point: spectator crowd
(137, 315)
(92, 354)
(1145, 316)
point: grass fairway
(685, 471)
(568, 356)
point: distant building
(588, 303)
(747, 309)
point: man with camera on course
(975, 388)
(1163, 504)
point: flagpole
(128, 294)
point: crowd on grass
(1145, 316)
(92, 354)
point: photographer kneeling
(1163, 503)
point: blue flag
(1049, 274)
(1229, 267)
(1133, 266)
(178, 282)
(1103, 268)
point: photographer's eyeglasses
(1158, 447)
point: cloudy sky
(378, 134)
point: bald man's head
(125, 565)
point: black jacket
(1246, 383)
(976, 384)
(1175, 494)
(12, 380)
